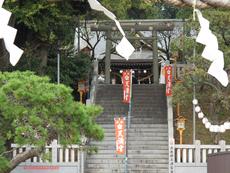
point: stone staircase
(147, 136)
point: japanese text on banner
(120, 135)
(127, 82)
(168, 79)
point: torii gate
(154, 26)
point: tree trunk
(4, 56)
(216, 121)
(43, 56)
(22, 157)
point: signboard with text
(127, 82)
(119, 124)
(168, 80)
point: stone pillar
(108, 57)
(155, 69)
(93, 82)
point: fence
(67, 160)
(193, 158)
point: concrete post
(82, 162)
(155, 69)
(54, 146)
(222, 144)
(94, 81)
(108, 57)
(170, 118)
(27, 149)
(197, 152)
(170, 135)
(79, 160)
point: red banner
(119, 124)
(168, 80)
(127, 82)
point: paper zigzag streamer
(211, 51)
(8, 34)
(124, 48)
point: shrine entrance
(141, 70)
(145, 61)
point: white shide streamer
(211, 51)
(124, 48)
(212, 128)
(8, 34)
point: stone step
(139, 130)
(131, 156)
(131, 166)
(150, 111)
(116, 102)
(135, 147)
(121, 170)
(135, 138)
(135, 117)
(141, 126)
(154, 115)
(156, 151)
(140, 134)
(130, 161)
(131, 143)
(136, 121)
(147, 137)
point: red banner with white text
(168, 80)
(127, 82)
(119, 124)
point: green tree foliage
(41, 25)
(34, 111)
(128, 9)
(46, 21)
(73, 67)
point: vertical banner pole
(130, 102)
(127, 98)
(126, 148)
(128, 122)
(194, 115)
